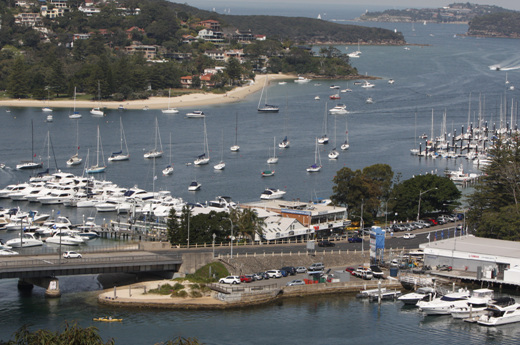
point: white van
(274, 273)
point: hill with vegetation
(453, 13)
(504, 24)
(134, 49)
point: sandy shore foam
(184, 101)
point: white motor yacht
(28, 240)
(501, 313)
(302, 80)
(476, 304)
(272, 193)
(194, 186)
(444, 304)
(421, 294)
(66, 238)
(339, 109)
(195, 114)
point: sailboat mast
(32, 141)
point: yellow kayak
(107, 319)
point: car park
(326, 243)
(274, 273)
(408, 236)
(72, 255)
(295, 282)
(230, 280)
(301, 269)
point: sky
(509, 4)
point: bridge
(43, 269)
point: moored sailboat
(317, 160)
(95, 169)
(156, 152)
(120, 156)
(203, 158)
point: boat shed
(489, 258)
(321, 219)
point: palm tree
(247, 223)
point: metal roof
(476, 245)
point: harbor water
(439, 76)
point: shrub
(195, 294)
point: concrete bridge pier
(53, 288)
(24, 285)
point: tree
(234, 70)
(369, 187)
(247, 223)
(18, 80)
(436, 194)
(72, 334)
(494, 206)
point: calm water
(439, 76)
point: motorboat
(421, 294)
(501, 312)
(8, 252)
(302, 80)
(220, 166)
(27, 240)
(367, 85)
(317, 98)
(67, 238)
(49, 118)
(194, 186)
(369, 100)
(476, 304)
(272, 193)
(334, 87)
(340, 108)
(443, 305)
(335, 96)
(195, 114)
(391, 81)
(267, 173)
(284, 144)
(97, 112)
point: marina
(439, 76)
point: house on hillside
(148, 51)
(211, 36)
(210, 24)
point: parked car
(459, 227)
(245, 279)
(432, 221)
(284, 273)
(259, 276)
(274, 273)
(424, 223)
(301, 269)
(72, 255)
(350, 270)
(408, 236)
(289, 269)
(444, 268)
(377, 272)
(418, 225)
(265, 275)
(441, 220)
(230, 280)
(326, 243)
(355, 240)
(295, 282)
(251, 276)
(316, 266)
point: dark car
(326, 243)
(355, 240)
(289, 269)
(284, 273)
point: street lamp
(213, 244)
(231, 221)
(419, 206)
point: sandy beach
(190, 100)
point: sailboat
(120, 156)
(169, 168)
(334, 153)
(97, 110)
(75, 114)
(95, 169)
(324, 139)
(317, 160)
(285, 143)
(75, 159)
(47, 109)
(266, 108)
(155, 153)
(235, 147)
(221, 165)
(169, 110)
(203, 158)
(273, 159)
(355, 54)
(345, 145)
(24, 165)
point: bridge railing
(82, 249)
(60, 262)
